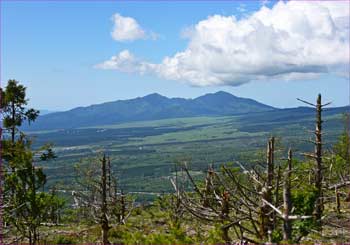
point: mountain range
(150, 107)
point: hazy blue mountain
(45, 112)
(150, 107)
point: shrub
(65, 240)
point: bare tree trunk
(276, 196)
(30, 238)
(109, 183)
(224, 215)
(337, 200)
(104, 221)
(318, 158)
(208, 187)
(266, 213)
(287, 203)
(123, 207)
(35, 235)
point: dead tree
(235, 204)
(317, 156)
(287, 202)
(210, 204)
(99, 196)
(244, 200)
(286, 215)
(225, 210)
(277, 195)
(176, 207)
(208, 187)
(104, 220)
(266, 212)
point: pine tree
(24, 206)
(14, 113)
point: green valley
(144, 153)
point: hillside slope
(150, 107)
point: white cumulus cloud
(126, 62)
(126, 29)
(292, 40)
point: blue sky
(55, 49)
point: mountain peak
(223, 93)
(153, 95)
(220, 95)
(154, 98)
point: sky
(71, 54)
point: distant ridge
(45, 112)
(150, 107)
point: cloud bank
(292, 40)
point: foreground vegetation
(259, 197)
